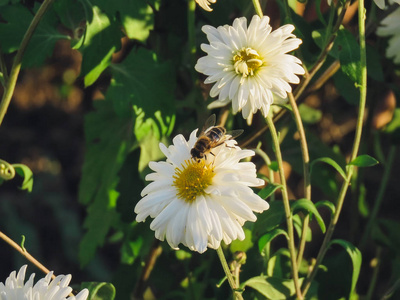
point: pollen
(192, 178)
(247, 61)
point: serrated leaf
(109, 138)
(41, 45)
(271, 287)
(269, 236)
(364, 161)
(136, 16)
(27, 174)
(356, 259)
(330, 162)
(101, 40)
(307, 205)
(268, 190)
(133, 85)
(99, 290)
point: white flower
(249, 64)
(205, 4)
(200, 202)
(390, 26)
(45, 289)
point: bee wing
(234, 133)
(210, 122)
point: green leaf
(307, 205)
(330, 162)
(327, 204)
(133, 85)
(374, 65)
(268, 190)
(27, 174)
(269, 219)
(269, 236)
(272, 287)
(347, 50)
(41, 45)
(244, 245)
(364, 161)
(136, 16)
(356, 258)
(99, 290)
(101, 40)
(109, 138)
(346, 88)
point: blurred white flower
(45, 289)
(390, 26)
(200, 202)
(205, 4)
(249, 64)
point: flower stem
(288, 213)
(16, 66)
(228, 274)
(356, 146)
(306, 174)
(257, 7)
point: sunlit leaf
(27, 174)
(308, 206)
(136, 16)
(309, 115)
(244, 245)
(364, 161)
(101, 40)
(272, 287)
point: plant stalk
(288, 213)
(228, 274)
(306, 174)
(354, 153)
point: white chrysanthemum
(249, 64)
(205, 4)
(45, 289)
(200, 202)
(390, 26)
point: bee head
(196, 153)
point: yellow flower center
(192, 179)
(246, 61)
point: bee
(210, 137)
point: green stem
(228, 274)
(288, 213)
(16, 67)
(356, 146)
(306, 174)
(257, 7)
(379, 197)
